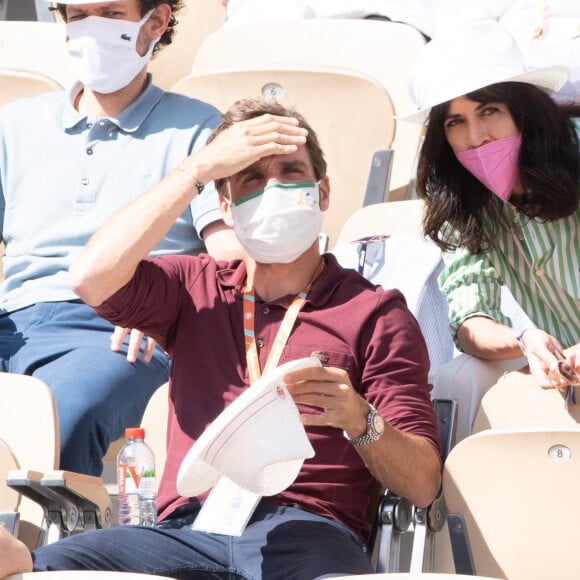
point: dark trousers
(279, 543)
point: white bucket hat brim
(258, 441)
(481, 55)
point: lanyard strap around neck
(283, 333)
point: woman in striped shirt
(499, 171)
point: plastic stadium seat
(33, 46)
(383, 50)
(197, 20)
(521, 402)
(154, 422)
(27, 408)
(53, 503)
(15, 84)
(396, 217)
(9, 499)
(351, 114)
(513, 502)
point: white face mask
(280, 222)
(103, 51)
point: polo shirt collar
(128, 121)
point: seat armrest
(72, 502)
(86, 492)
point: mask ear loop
(154, 42)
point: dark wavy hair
(146, 5)
(460, 210)
(245, 109)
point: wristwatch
(375, 428)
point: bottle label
(134, 479)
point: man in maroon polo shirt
(366, 411)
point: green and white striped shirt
(538, 261)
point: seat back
(18, 84)
(197, 20)
(382, 50)
(9, 499)
(155, 424)
(29, 426)
(520, 402)
(351, 114)
(517, 491)
(395, 217)
(29, 422)
(34, 46)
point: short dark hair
(549, 167)
(245, 109)
(146, 5)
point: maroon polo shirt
(192, 306)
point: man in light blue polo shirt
(67, 162)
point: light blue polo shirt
(63, 173)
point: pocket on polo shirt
(328, 358)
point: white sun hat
(258, 441)
(478, 55)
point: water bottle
(136, 480)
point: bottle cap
(134, 433)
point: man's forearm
(487, 339)
(406, 464)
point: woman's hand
(549, 364)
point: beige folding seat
(33, 46)
(513, 502)
(382, 50)
(29, 427)
(18, 84)
(53, 503)
(9, 499)
(350, 112)
(521, 402)
(197, 20)
(154, 422)
(395, 217)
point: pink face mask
(495, 164)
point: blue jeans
(279, 543)
(98, 392)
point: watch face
(378, 423)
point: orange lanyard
(283, 333)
